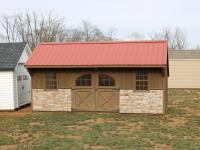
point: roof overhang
(7, 69)
(100, 66)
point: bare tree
(33, 28)
(111, 34)
(74, 34)
(180, 39)
(197, 47)
(86, 32)
(176, 38)
(9, 26)
(136, 36)
(6, 26)
(166, 34)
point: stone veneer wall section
(141, 101)
(51, 100)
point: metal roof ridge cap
(103, 42)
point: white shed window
(19, 78)
(25, 77)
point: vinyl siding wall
(15, 90)
(184, 74)
(23, 96)
(6, 90)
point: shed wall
(184, 73)
(124, 78)
(153, 100)
(6, 90)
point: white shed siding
(15, 90)
(23, 86)
(6, 90)
(184, 73)
(24, 56)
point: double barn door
(95, 91)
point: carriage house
(125, 77)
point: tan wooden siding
(37, 80)
(156, 80)
(184, 74)
(129, 80)
(124, 78)
(65, 80)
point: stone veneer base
(51, 100)
(131, 101)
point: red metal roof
(126, 53)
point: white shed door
(23, 83)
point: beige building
(184, 69)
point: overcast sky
(143, 16)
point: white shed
(15, 82)
(184, 69)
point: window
(19, 78)
(142, 80)
(84, 80)
(51, 80)
(105, 80)
(25, 77)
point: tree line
(33, 28)
(177, 39)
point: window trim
(148, 89)
(83, 86)
(25, 77)
(20, 78)
(45, 83)
(109, 77)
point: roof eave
(9, 69)
(97, 66)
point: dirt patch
(193, 111)
(78, 127)
(17, 113)
(125, 129)
(177, 122)
(98, 120)
(188, 91)
(77, 137)
(40, 134)
(36, 124)
(175, 103)
(131, 127)
(21, 137)
(96, 147)
(163, 146)
(8, 147)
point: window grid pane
(51, 80)
(105, 80)
(142, 80)
(84, 80)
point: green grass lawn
(178, 129)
